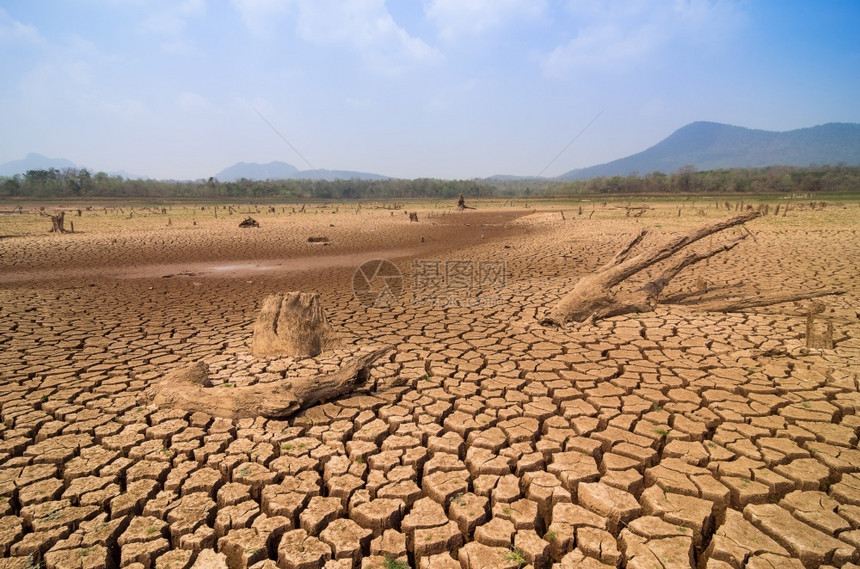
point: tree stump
(58, 222)
(249, 222)
(461, 203)
(292, 324)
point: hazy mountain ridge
(714, 146)
(283, 171)
(703, 145)
(34, 161)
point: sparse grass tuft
(516, 556)
(391, 563)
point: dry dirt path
(673, 439)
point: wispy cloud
(14, 33)
(617, 34)
(170, 22)
(194, 102)
(363, 26)
(458, 18)
(261, 16)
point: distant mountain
(510, 178)
(323, 174)
(33, 161)
(283, 171)
(713, 146)
(255, 171)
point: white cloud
(194, 102)
(364, 26)
(261, 16)
(129, 110)
(170, 21)
(617, 34)
(13, 32)
(456, 18)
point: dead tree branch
(592, 297)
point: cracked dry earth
(672, 439)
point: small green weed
(391, 563)
(516, 556)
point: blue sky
(409, 88)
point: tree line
(73, 182)
(774, 179)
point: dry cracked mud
(678, 438)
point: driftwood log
(188, 388)
(292, 324)
(593, 298)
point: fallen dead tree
(189, 388)
(593, 298)
(289, 324)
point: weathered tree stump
(58, 222)
(249, 222)
(289, 324)
(461, 203)
(292, 324)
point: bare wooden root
(592, 297)
(189, 388)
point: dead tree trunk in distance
(57, 222)
(461, 203)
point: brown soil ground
(678, 438)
